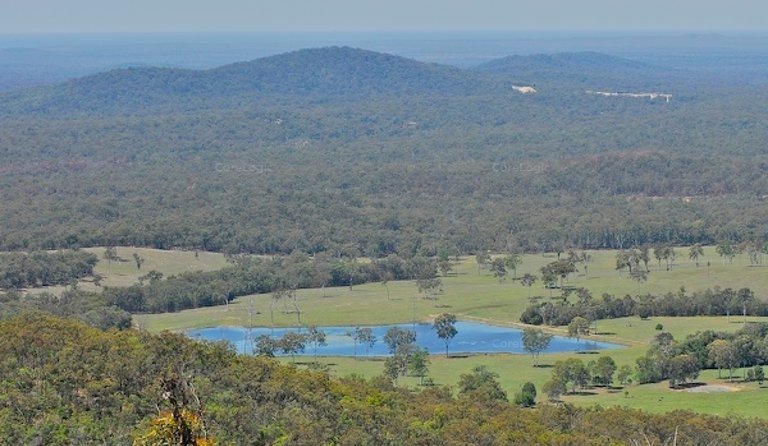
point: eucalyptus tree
(535, 341)
(499, 269)
(528, 280)
(695, 253)
(445, 326)
(513, 261)
(316, 337)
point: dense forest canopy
(359, 153)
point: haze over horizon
(142, 16)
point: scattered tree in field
(498, 269)
(695, 253)
(745, 297)
(682, 368)
(418, 364)
(528, 280)
(430, 288)
(265, 345)
(639, 275)
(724, 355)
(398, 339)
(624, 374)
(754, 251)
(110, 255)
(445, 266)
(756, 373)
(585, 259)
(629, 259)
(571, 372)
(400, 343)
(726, 250)
(316, 337)
(658, 253)
(578, 327)
(558, 269)
(276, 297)
(513, 261)
(666, 253)
(535, 341)
(293, 343)
(395, 366)
(138, 260)
(364, 336)
(554, 388)
(385, 284)
(602, 370)
(645, 257)
(483, 259)
(445, 326)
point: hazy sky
(21, 16)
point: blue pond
(471, 338)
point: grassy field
(474, 294)
(125, 273)
(470, 294)
(514, 370)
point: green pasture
(474, 294)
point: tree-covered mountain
(584, 69)
(360, 153)
(323, 74)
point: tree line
(681, 361)
(579, 303)
(246, 275)
(40, 268)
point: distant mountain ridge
(324, 74)
(586, 60)
(583, 69)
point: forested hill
(585, 69)
(361, 153)
(323, 74)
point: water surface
(472, 337)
